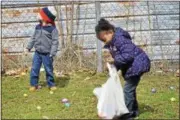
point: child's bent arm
(126, 54)
(55, 43)
(125, 58)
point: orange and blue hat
(48, 14)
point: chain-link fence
(154, 26)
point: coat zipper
(40, 39)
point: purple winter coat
(132, 60)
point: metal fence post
(99, 46)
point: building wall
(154, 25)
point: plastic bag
(110, 96)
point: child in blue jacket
(45, 41)
(127, 57)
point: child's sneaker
(53, 88)
(32, 89)
(38, 87)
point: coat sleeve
(125, 52)
(31, 41)
(127, 35)
(55, 42)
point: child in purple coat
(127, 57)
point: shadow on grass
(62, 81)
(143, 108)
(59, 81)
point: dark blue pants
(130, 94)
(47, 61)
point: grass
(83, 103)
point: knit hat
(47, 14)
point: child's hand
(26, 51)
(50, 56)
(110, 60)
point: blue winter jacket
(131, 59)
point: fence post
(99, 46)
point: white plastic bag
(110, 96)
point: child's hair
(41, 21)
(103, 25)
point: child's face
(106, 36)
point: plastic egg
(173, 99)
(25, 95)
(67, 104)
(153, 90)
(42, 70)
(23, 73)
(38, 107)
(64, 100)
(51, 92)
(171, 87)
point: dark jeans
(47, 61)
(130, 94)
